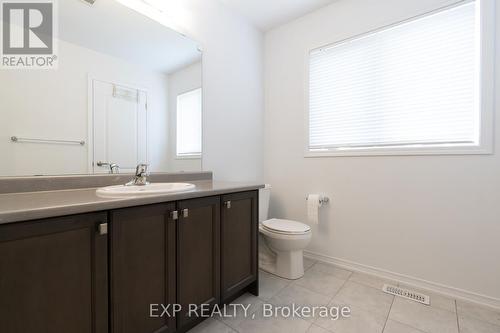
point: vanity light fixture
(166, 12)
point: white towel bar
(20, 140)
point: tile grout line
(468, 315)
(289, 282)
(342, 286)
(310, 266)
(333, 275)
(231, 328)
(408, 325)
(310, 325)
(388, 313)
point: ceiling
(268, 14)
(116, 30)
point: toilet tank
(264, 196)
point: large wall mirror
(126, 90)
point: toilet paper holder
(322, 199)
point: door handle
(228, 204)
(174, 215)
(185, 212)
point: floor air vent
(408, 294)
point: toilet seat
(285, 227)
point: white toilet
(281, 242)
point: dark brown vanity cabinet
(198, 256)
(142, 268)
(163, 254)
(238, 242)
(101, 272)
(53, 275)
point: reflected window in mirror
(189, 106)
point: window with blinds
(413, 85)
(189, 107)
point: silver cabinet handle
(103, 229)
(185, 212)
(174, 215)
(228, 204)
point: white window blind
(415, 84)
(189, 107)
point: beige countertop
(16, 207)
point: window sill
(188, 157)
(401, 151)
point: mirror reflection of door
(119, 130)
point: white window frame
(189, 156)
(487, 94)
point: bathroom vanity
(76, 261)
(99, 270)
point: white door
(119, 126)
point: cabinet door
(239, 224)
(142, 268)
(53, 276)
(198, 256)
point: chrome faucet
(140, 178)
(113, 167)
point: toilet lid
(286, 226)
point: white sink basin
(135, 190)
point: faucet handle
(142, 170)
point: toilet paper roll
(313, 204)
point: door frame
(90, 114)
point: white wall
(182, 81)
(232, 90)
(53, 104)
(435, 218)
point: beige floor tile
(437, 301)
(358, 295)
(270, 285)
(333, 270)
(473, 325)
(360, 321)
(300, 295)
(483, 313)
(370, 307)
(370, 280)
(321, 282)
(260, 324)
(212, 326)
(317, 329)
(254, 303)
(308, 263)
(424, 318)
(394, 327)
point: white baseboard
(407, 280)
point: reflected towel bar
(18, 139)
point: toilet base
(290, 264)
(286, 264)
